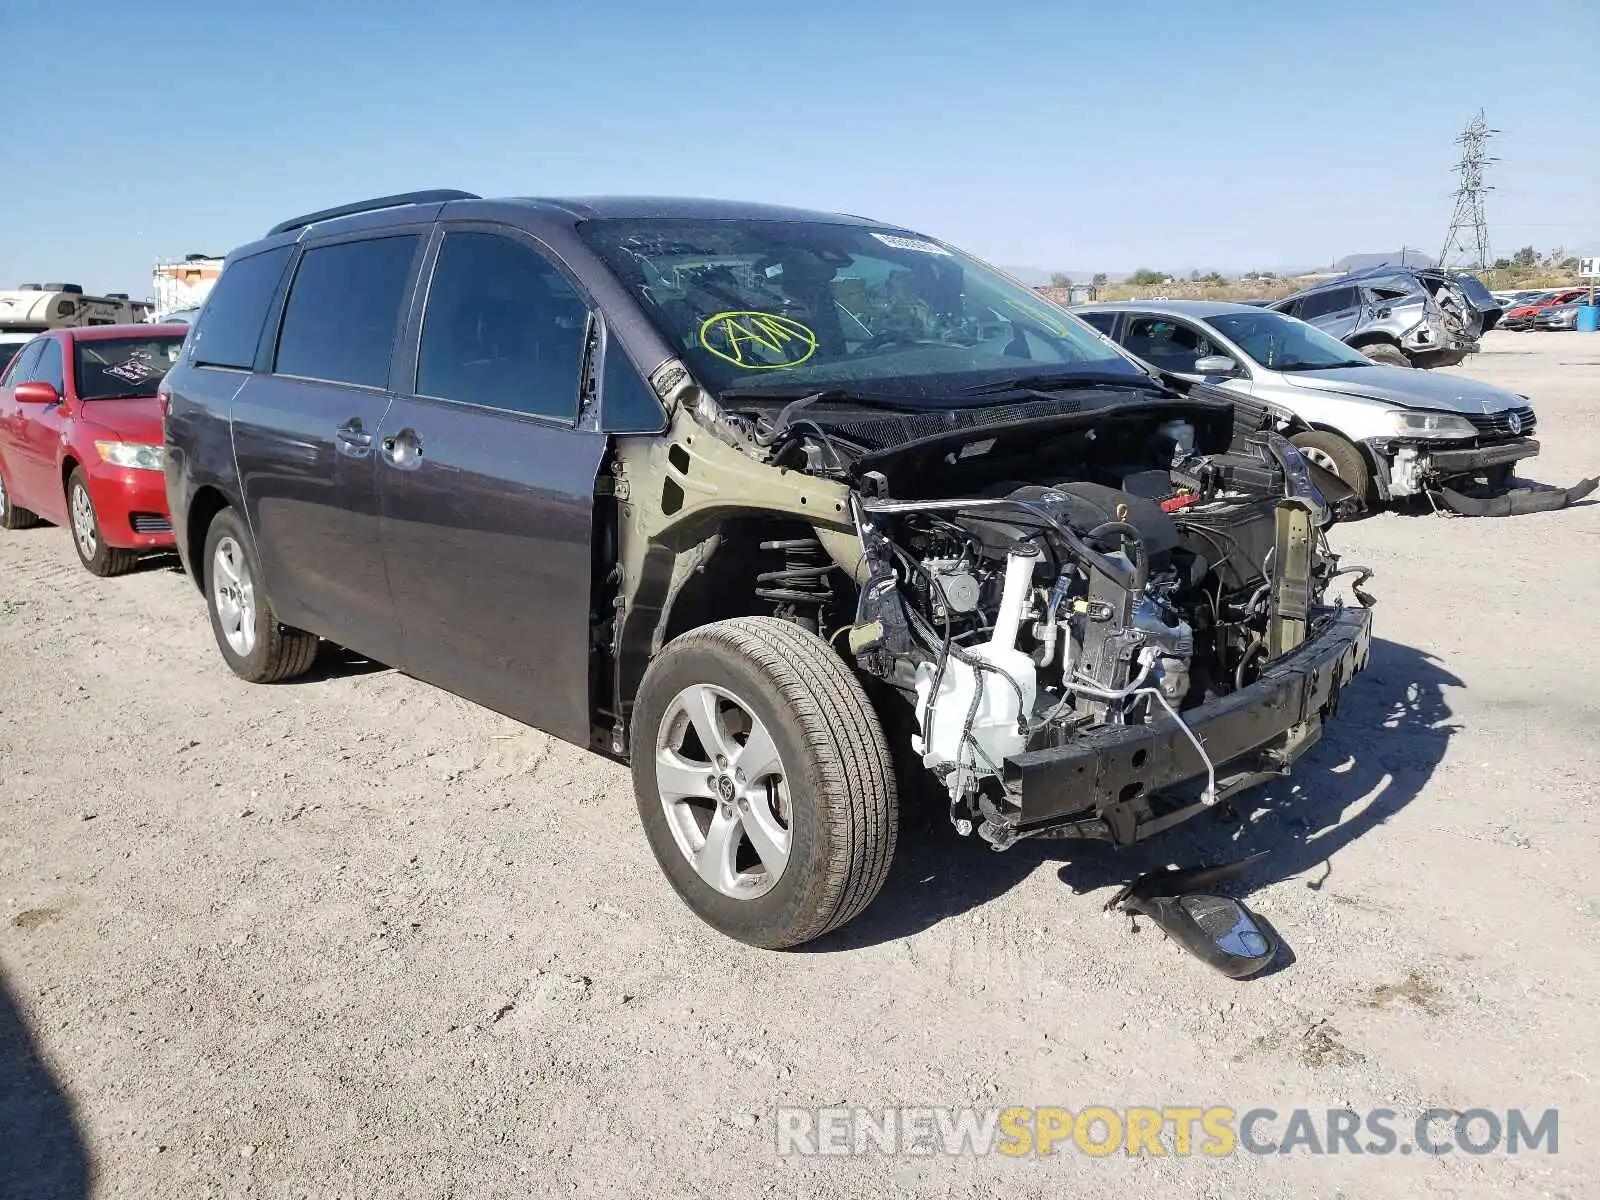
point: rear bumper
(131, 507)
(1108, 775)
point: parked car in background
(1525, 316)
(181, 316)
(1510, 300)
(761, 501)
(1385, 431)
(1556, 317)
(1400, 316)
(80, 439)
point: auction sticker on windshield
(910, 243)
(757, 341)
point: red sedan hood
(127, 420)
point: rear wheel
(1332, 453)
(1387, 354)
(253, 642)
(763, 781)
(12, 517)
(99, 558)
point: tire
(831, 797)
(12, 517)
(1386, 354)
(1332, 452)
(87, 539)
(255, 645)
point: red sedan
(80, 439)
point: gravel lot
(356, 937)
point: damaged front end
(1104, 621)
(1466, 463)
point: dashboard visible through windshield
(756, 305)
(1282, 343)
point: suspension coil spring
(803, 578)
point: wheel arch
(204, 506)
(1377, 471)
(710, 571)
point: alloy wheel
(83, 524)
(1320, 458)
(234, 594)
(725, 791)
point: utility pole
(1469, 230)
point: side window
(229, 326)
(22, 366)
(503, 328)
(1101, 321)
(1322, 304)
(1165, 343)
(344, 310)
(51, 367)
(627, 405)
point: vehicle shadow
(159, 560)
(334, 661)
(1389, 735)
(42, 1151)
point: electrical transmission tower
(1469, 231)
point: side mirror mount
(1216, 364)
(36, 391)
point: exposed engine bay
(1071, 565)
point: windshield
(1282, 343)
(123, 368)
(785, 305)
(8, 351)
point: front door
(36, 457)
(12, 415)
(486, 486)
(305, 437)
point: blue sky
(1059, 135)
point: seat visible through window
(503, 329)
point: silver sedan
(1386, 431)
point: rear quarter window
(229, 328)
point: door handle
(353, 437)
(403, 450)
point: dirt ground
(356, 937)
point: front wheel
(99, 558)
(1386, 355)
(763, 780)
(1332, 453)
(253, 642)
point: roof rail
(432, 196)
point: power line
(1469, 230)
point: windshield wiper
(1333, 366)
(1061, 381)
(788, 413)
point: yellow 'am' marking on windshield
(746, 338)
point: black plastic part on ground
(1221, 932)
(1517, 501)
